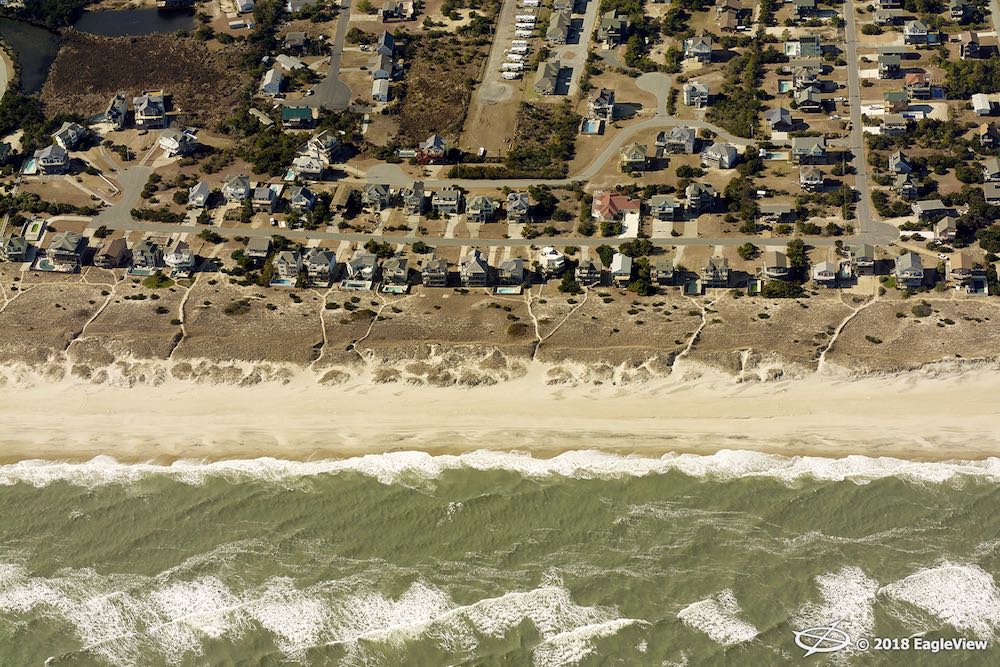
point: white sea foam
(121, 618)
(719, 618)
(297, 619)
(572, 646)
(405, 467)
(848, 596)
(963, 596)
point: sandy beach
(923, 415)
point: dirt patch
(203, 86)
(439, 85)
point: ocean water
(495, 559)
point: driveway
(331, 93)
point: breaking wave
(719, 618)
(415, 467)
(120, 618)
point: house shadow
(883, 267)
(562, 81)
(922, 108)
(723, 55)
(627, 110)
(575, 32)
(739, 278)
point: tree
(795, 250)
(379, 248)
(211, 236)
(643, 284)
(748, 251)
(989, 239)
(605, 252)
(568, 284)
(781, 289)
(637, 248)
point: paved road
(575, 55)
(494, 87)
(303, 235)
(331, 93)
(995, 15)
(871, 231)
(393, 175)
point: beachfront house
(480, 208)
(434, 273)
(447, 201)
(146, 255)
(775, 265)
(396, 271)
(287, 266)
(14, 249)
(715, 273)
(909, 270)
(588, 271)
(511, 271)
(179, 257)
(662, 270)
(112, 254)
(319, 266)
(473, 270)
(66, 250)
(862, 257)
(621, 269)
(363, 266)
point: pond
(130, 22)
(35, 47)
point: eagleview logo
(822, 639)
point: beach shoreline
(938, 415)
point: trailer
(526, 17)
(512, 67)
(519, 42)
(524, 33)
(510, 75)
(522, 50)
(515, 57)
